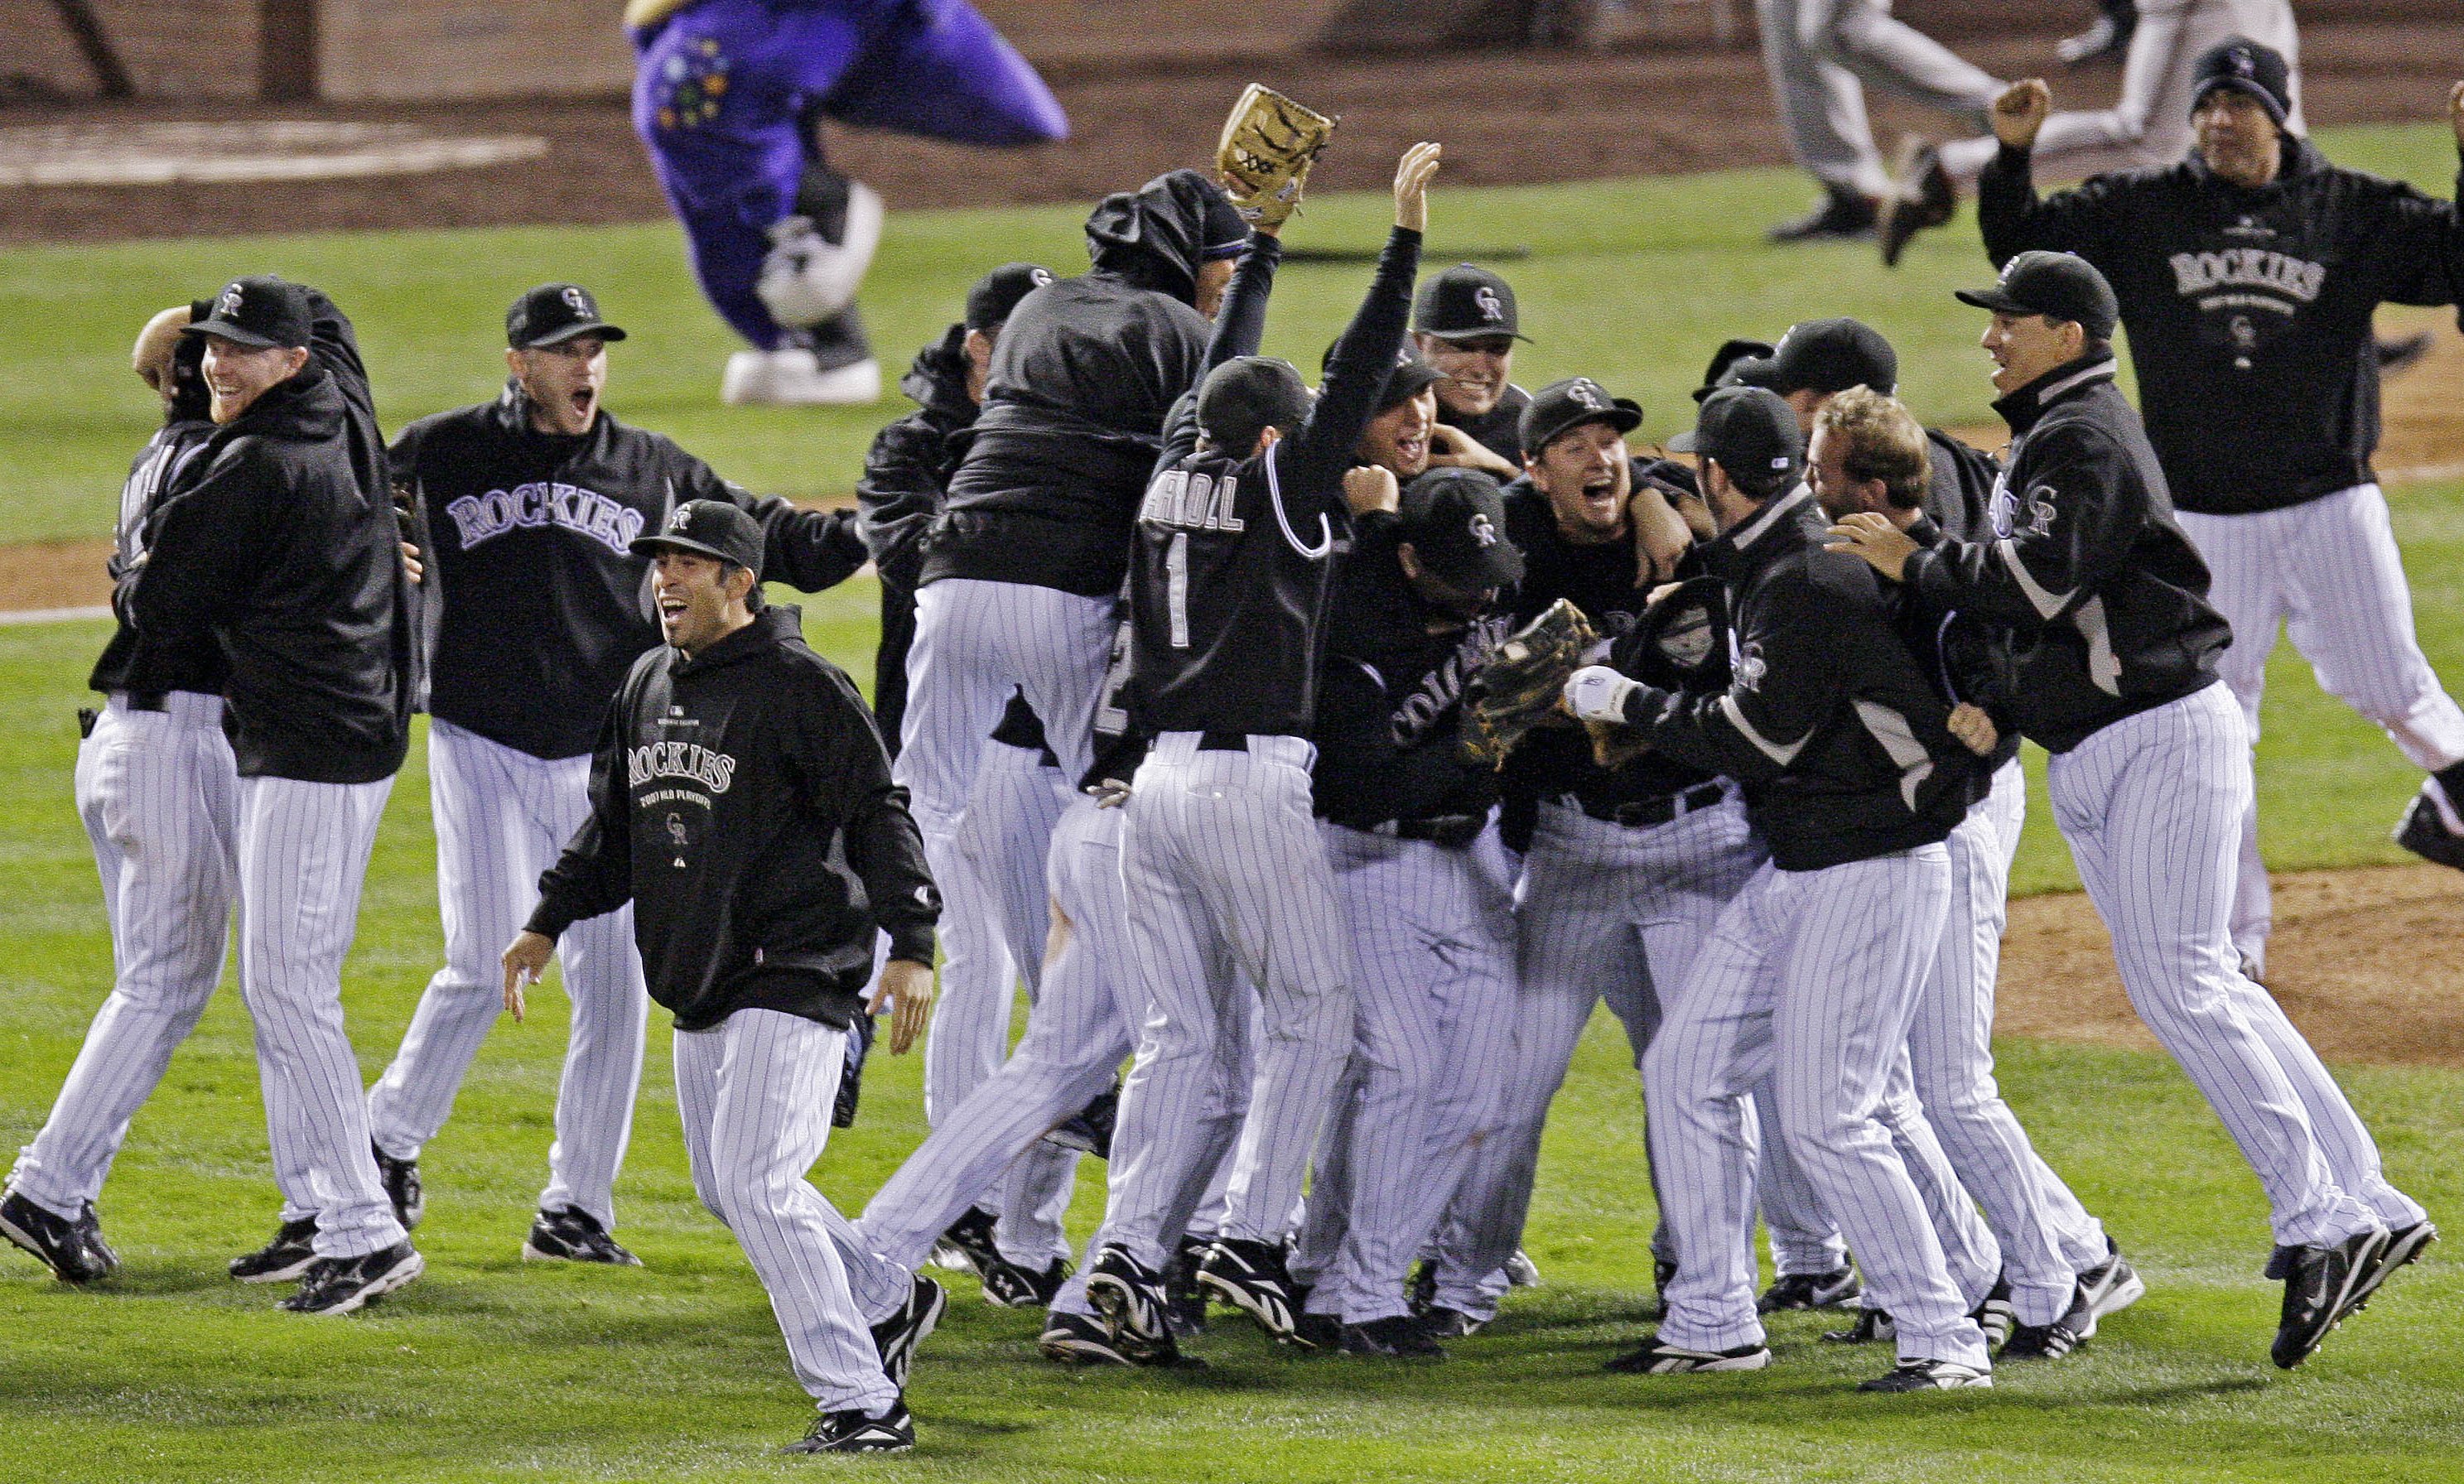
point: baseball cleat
(1928, 1376)
(1923, 198)
(1185, 1300)
(1841, 216)
(1993, 1314)
(2405, 1245)
(287, 1256)
(1398, 1337)
(60, 1243)
(2051, 1341)
(1520, 1272)
(2113, 1285)
(2319, 1282)
(1446, 1323)
(1810, 1290)
(401, 1180)
(1316, 1332)
(1655, 1358)
(1079, 1340)
(572, 1234)
(1872, 1326)
(341, 1285)
(898, 1337)
(2426, 835)
(1010, 1285)
(1251, 1278)
(1089, 1129)
(967, 1247)
(91, 1225)
(1130, 1296)
(857, 1431)
(793, 378)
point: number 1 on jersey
(1175, 566)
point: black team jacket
(741, 799)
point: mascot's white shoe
(806, 278)
(793, 379)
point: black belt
(148, 700)
(1224, 742)
(1453, 831)
(1642, 813)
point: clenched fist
(2020, 112)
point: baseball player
(1868, 454)
(157, 790)
(729, 97)
(911, 461)
(1852, 773)
(1625, 868)
(1427, 889)
(1235, 545)
(1464, 325)
(2149, 127)
(276, 545)
(741, 802)
(2116, 658)
(529, 505)
(1819, 54)
(2247, 276)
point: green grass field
(491, 1370)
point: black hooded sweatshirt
(909, 467)
(187, 424)
(1081, 380)
(279, 539)
(741, 799)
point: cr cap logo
(1483, 532)
(679, 519)
(579, 302)
(2244, 64)
(1587, 393)
(1485, 299)
(1039, 276)
(227, 306)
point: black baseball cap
(1561, 406)
(1725, 360)
(261, 311)
(713, 527)
(1747, 428)
(997, 293)
(1246, 395)
(1455, 519)
(1466, 303)
(2245, 66)
(1410, 374)
(1824, 356)
(553, 314)
(2057, 285)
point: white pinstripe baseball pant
(502, 815)
(159, 799)
(976, 643)
(754, 1096)
(1604, 911)
(1432, 1042)
(1225, 876)
(2151, 805)
(303, 855)
(1814, 52)
(2328, 570)
(1813, 975)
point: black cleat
(1928, 1376)
(1841, 216)
(2104, 40)
(1398, 1338)
(1185, 1300)
(1009, 1285)
(897, 1337)
(1445, 1324)
(2112, 1285)
(1089, 1129)
(1652, 1358)
(1130, 1296)
(1872, 1326)
(2405, 1245)
(401, 1180)
(1993, 1313)
(2319, 1282)
(1924, 197)
(855, 1431)
(338, 1285)
(573, 1235)
(1810, 1290)
(74, 1252)
(968, 1247)
(287, 1256)
(1316, 1332)
(2423, 833)
(1079, 1340)
(1251, 1278)
(2051, 1341)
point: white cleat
(792, 379)
(806, 278)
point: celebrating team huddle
(1318, 759)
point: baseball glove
(1681, 642)
(1263, 156)
(1522, 680)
